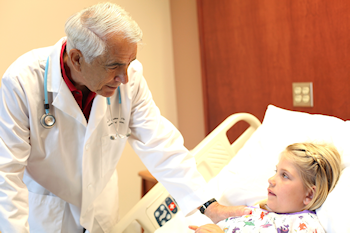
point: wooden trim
(203, 66)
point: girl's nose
(271, 181)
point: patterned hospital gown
(263, 221)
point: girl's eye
(285, 175)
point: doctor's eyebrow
(119, 64)
(115, 64)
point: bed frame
(211, 154)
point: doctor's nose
(122, 77)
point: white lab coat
(68, 172)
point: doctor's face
(286, 192)
(108, 71)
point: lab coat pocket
(111, 152)
(45, 213)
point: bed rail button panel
(165, 211)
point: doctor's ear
(75, 57)
(310, 195)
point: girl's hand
(209, 228)
(217, 212)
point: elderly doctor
(66, 112)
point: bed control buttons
(171, 205)
(162, 215)
(165, 211)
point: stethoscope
(119, 119)
(48, 120)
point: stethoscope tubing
(116, 127)
(47, 120)
(45, 86)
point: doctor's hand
(217, 212)
(209, 228)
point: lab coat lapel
(98, 112)
(65, 101)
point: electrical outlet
(303, 95)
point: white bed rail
(212, 154)
(215, 150)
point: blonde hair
(318, 165)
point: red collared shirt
(78, 95)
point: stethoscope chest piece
(47, 121)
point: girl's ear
(309, 195)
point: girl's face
(286, 192)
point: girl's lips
(270, 193)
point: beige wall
(26, 25)
(187, 71)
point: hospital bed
(238, 172)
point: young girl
(305, 175)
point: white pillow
(333, 214)
(244, 180)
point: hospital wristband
(205, 205)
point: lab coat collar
(54, 77)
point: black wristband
(205, 205)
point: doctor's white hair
(88, 29)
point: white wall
(26, 25)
